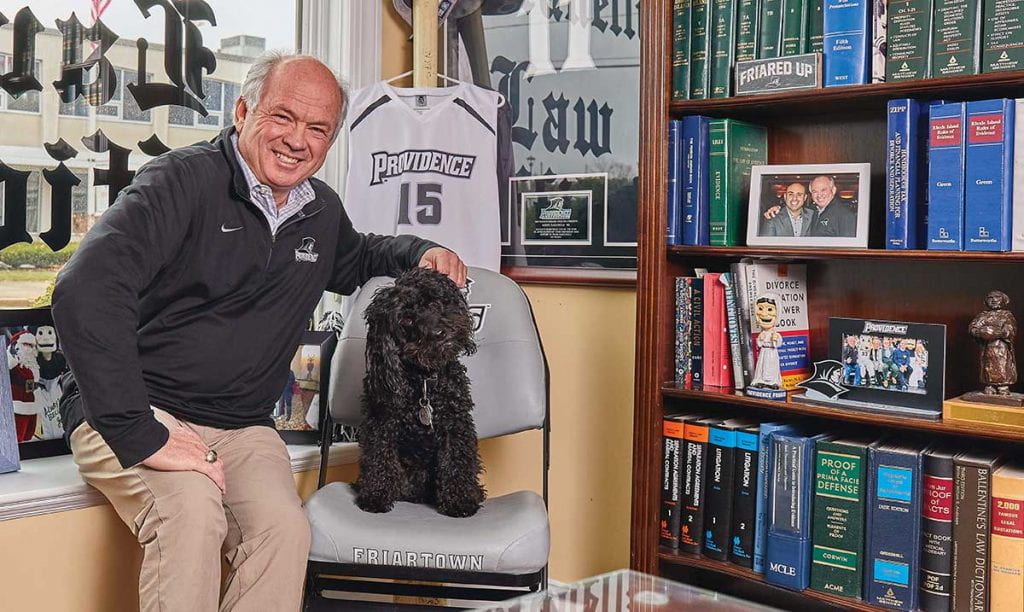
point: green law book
(815, 26)
(956, 33)
(837, 531)
(723, 46)
(908, 31)
(735, 147)
(769, 36)
(680, 49)
(794, 27)
(746, 29)
(1002, 41)
(700, 19)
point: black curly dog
(418, 441)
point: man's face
(285, 139)
(875, 343)
(796, 196)
(886, 343)
(851, 341)
(822, 191)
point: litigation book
(764, 479)
(907, 38)
(680, 49)
(723, 47)
(946, 140)
(956, 35)
(718, 492)
(847, 42)
(744, 495)
(746, 30)
(735, 147)
(700, 45)
(691, 530)
(671, 474)
(988, 175)
(1002, 41)
(770, 29)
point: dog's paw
(374, 503)
(458, 508)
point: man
(798, 220)
(180, 313)
(850, 356)
(902, 368)
(832, 218)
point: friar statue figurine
(995, 329)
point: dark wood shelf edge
(722, 567)
(944, 87)
(869, 418)
(827, 253)
(571, 276)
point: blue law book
(696, 224)
(988, 175)
(788, 558)
(847, 40)
(893, 525)
(674, 233)
(764, 475)
(946, 139)
(905, 187)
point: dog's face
(423, 319)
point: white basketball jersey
(423, 161)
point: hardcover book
(735, 147)
(764, 479)
(955, 37)
(718, 496)
(946, 140)
(815, 26)
(972, 519)
(723, 46)
(696, 225)
(732, 315)
(674, 231)
(794, 26)
(894, 525)
(788, 283)
(788, 558)
(770, 29)
(744, 495)
(691, 530)
(741, 286)
(697, 331)
(680, 49)
(988, 175)
(671, 478)
(746, 29)
(906, 167)
(907, 36)
(837, 553)
(1008, 538)
(700, 45)
(1018, 176)
(937, 529)
(714, 309)
(847, 42)
(683, 364)
(878, 40)
(1002, 41)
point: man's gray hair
(256, 79)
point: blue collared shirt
(263, 196)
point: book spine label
(973, 491)
(895, 539)
(674, 231)
(744, 499)
(847, 42)
(691, 529)
(723, 46)
(907, 35)
(937, 534)
(1002, 42)
(733, 321)
(682, 339)
(746, 30)
(1007, 541)
(695, 180)
(700, 39)
(770, 35)
(697, 331)
(794, 27)
(988, 176)
(901, 189)
(946, 177)
(672, 436)
(717, 153)
(718, 515)
(955, 37)
(680, 49)
(788, 551)
(838, 526)
(815, 26)
(1018, 176)
(878, 40)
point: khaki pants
(183, 522)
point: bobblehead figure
(767, 374)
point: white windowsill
(52, 484)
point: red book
(713, 305)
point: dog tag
(426, 414)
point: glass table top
(624, 590)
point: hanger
(441, 75)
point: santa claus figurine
(24, 367)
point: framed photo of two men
(809, 205)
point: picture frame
(35, 361)
(298, 415)
(778, 187)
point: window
(27, 102)
(122, 104)
(220, 102)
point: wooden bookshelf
(834, 125)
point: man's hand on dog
(445, 262)
(185, 451)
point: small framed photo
(299, 411)
(34, 363)
(809, 205)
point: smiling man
(179, 315)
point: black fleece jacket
(181, 298)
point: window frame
(6, 99)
